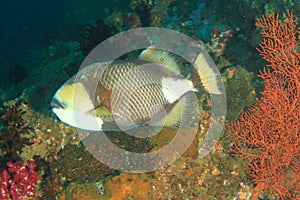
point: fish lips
(56, 104)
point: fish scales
(135, 99)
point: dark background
(30, 25)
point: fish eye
(83, 77)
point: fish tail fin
(205, 75)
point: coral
(239, 91)
(219, 40)
(159, 11)
(142, 8)
(49, 136)
(13, 131)
(216, 176)
(268, 135)
(51, 68)
(76, 164)
(240, 16)
(23, 182)
(91, 34)
(129, 186)
(77, 191)
(124, 21)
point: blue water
(29, 25)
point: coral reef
(21, 184)
(14, 131)
(142, 8)
(219, 40)
(239, 91)
(61, 159)
(267, 136)
(129, 186)
(159, 11)
(241, 48)
(79, 191)
(52, 66)
(68, 171)
(216, 176)
(91, 34)
(74, 163)
(124, 21)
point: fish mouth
(56, 104)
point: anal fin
(180, 112)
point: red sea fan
(268, 135)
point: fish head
(72, 104)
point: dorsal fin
(155, 55)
